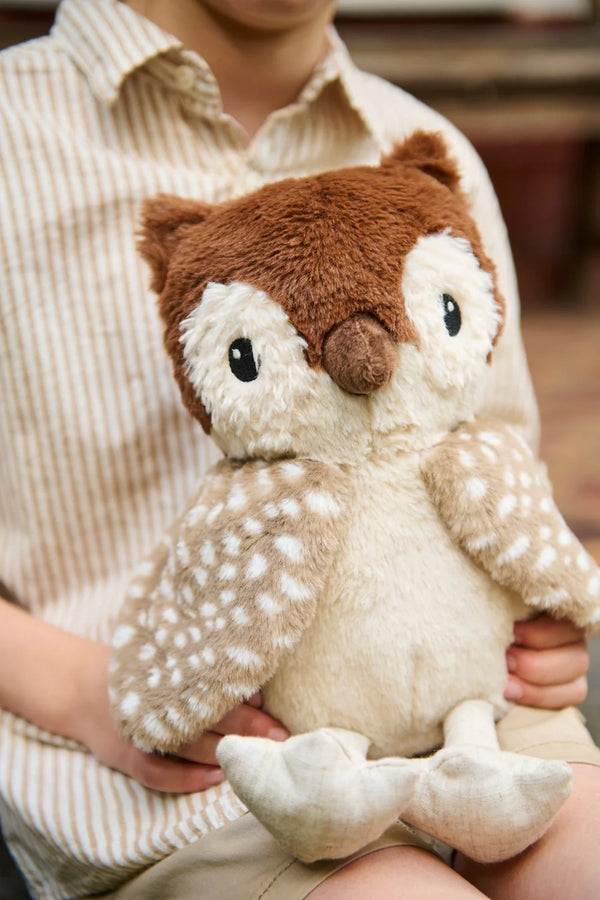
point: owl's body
(364, 549)
(419, 627)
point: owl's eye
(452, 317)
(241, 360)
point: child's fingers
(161, 773)
(555, 696)
(561, 665)
(242, 719)
(545, 632)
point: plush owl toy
(365, 546)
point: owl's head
(319, 315)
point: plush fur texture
(363, 554)
(324, 248)
(254, 544)
(498, 503)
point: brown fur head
(327, 247)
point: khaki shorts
(241, 861)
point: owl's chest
(407, 625)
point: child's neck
(258, 70)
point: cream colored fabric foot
(488, 804)
(316, 793)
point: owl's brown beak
(360, 355)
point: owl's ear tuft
(427, 151)
(164, 219)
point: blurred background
(521, 78)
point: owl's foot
(488, 804)
(316, 792)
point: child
(206, 99)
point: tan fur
(418, 626)
(196, 637)
(498, 504)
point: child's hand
(194, 768)
(548, 663)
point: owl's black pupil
(241, 360)
(452, 317)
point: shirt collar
(108, 41)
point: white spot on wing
(130, 703)
(480, 543)
(183, 554)
(322, 502)
(292, 470)
(195, 515)
(506, 505)
(490, 437)
(252, 526)
(122, 636)
(154, 678)
(239, 615)
(257, 566)
(289, 507)
(546, 558)
(200, 708)
(466, 459)
(207, 553)
(155, 728)
(227, 572)
(231, 543)
(294, 589)
(263, 478)
(188, 594)
(208, 655)
(146, 652)
(290, 546)
(516, 550)
(243, 657)
(583, 561)
(237, 497)
(207, 610)
(200, 576)
(287, 641)
(214, 513)
(476, 488)
(267, 604)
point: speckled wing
(497, 502)
(231, 590)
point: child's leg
(396, 873)
(564, 863)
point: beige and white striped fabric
(97, 454)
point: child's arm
(58, 681)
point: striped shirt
(98, 454)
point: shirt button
(186, 77)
